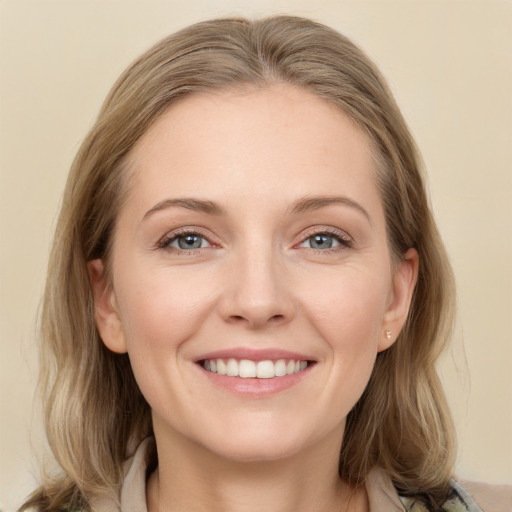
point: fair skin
(252, 230)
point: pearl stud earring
(388, 335)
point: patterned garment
(458, 501)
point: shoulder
(490, 497)
(466, 496)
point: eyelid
(165, 241)
(344, 238)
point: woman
(247, 293)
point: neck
(191, 478)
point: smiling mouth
(247, 369)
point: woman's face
(252, 241)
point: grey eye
(189, 241)
(321, 241)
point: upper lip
(254, 354)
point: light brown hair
(94, 411)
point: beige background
(449, 65)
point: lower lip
(256, 387)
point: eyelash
(167, 240)
(344, 240)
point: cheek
(350, 324)
(348, 316)
(349, 311)
(163, 307)
(160, 311)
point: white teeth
(280, 368)
(232, 368)
(265, 370)
(247, 369)
(221, 367)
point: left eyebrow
(188, 203)
(316, 202)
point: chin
(257, 451)
(258, 442)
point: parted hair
(93, 409)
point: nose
(257, 292)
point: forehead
(256, 143)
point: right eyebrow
(199, 205)
(317, 202)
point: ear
(404, 282)
(105, 312)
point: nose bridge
(258, 291)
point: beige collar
(382, 494)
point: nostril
(257, 321)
